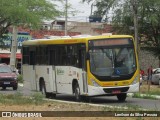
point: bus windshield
(115, 61)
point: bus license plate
(116, 91)
(6, 83)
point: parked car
(156, 76)
(8, 78)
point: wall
(147, 59)
(89, 28)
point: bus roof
(70, 40)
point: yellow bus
(88, 66)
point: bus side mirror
(87, 56)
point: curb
(143, 95)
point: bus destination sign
(109, 42)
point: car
(156, 76)
(154, 69)
(8, 78)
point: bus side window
(82, 58)
(25, 55)
(32, 58)
(52, 57)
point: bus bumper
(111, 91)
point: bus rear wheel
(122, 97)
(77, 92)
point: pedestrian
(142, 73)
(150, 72)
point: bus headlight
(94, 83)
(135, 80)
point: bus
(88, 66)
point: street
(146, 104)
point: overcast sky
(83, 10)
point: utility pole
(134, 4)
(13, 48)
(66, 17)
(135, 11)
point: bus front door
(82, 57)
(52, 60)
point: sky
(83, 10)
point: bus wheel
(122, 97)
(43, 89)
(53, 95)
(77, 92)
(86, 99)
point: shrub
(20, 78)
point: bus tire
(77, 92)
(86, 99)
(122, 97)
(53, 95)
(43, 88)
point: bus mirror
(87, 56)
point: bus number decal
(60, 71)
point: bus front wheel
(43, 88)
(122, 97)
(77, 92)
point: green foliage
(38, 98)
(20, 78)
(147, 96)
(19, 99)
(25, 12)
(148, 14)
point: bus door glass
(52, 60)
(82, 64)
(32, 69)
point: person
(150, 72)
(142, 72)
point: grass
(154, 89)
(147, 92)
(127, 107)
(146, 96)
(19, 99)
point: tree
(148, 14)
(25, 12)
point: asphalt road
(104, 100)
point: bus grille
(110, 90)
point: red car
(8, 78)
